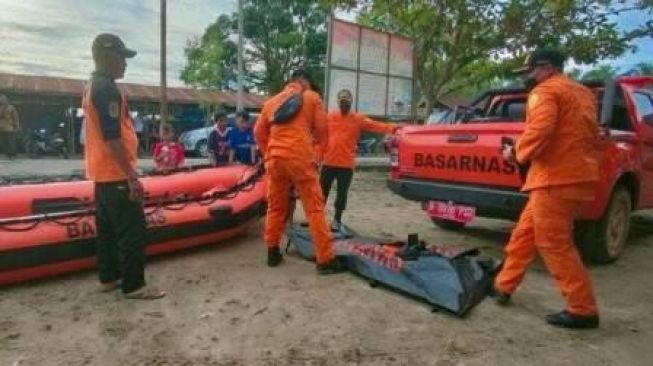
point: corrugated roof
(48, 85)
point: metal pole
(163, 87)
(239, 98)
(327, 66)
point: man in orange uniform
(290, 160)
(560, 143)
(339, 157)
(111, 156)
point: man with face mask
(339, 157)
(560, 143)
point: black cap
(542, 56)
(302, 73)
(111, 42)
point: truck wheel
(604, 240)
(202, 148)
(448, 224)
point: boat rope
(7, 180)
(150, 206)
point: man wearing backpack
(290, 124)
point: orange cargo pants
(284, 173)
(546, 225)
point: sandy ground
(225, 307)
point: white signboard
(401, 57)
(400, 97)
(377, 67)
(371, 94)
(344, 45)
(374, 51)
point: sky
(53, 37)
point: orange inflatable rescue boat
(49, 228)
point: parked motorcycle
(39, 143)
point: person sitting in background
(218, 143)
(241, 141)
(168, 153)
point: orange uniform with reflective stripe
(291, 161)
(101, 166)
(560, 142)
(344, 133)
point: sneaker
(146, 293)
(565, 319)
(333, 267)
(109, 286)
(274, 257)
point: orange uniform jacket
(344, 133)
(560, 142)
(561, 136)
(295, 138)
(101, 166)
(291, 162)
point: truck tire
(603, 241)
(448, 224)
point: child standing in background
(218, 143)
(241, 141)
(168, 153)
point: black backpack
(288, 109)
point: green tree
(282, 35)
(211, 59)
(452, 39)
(463, 44)
(279, 36)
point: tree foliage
(279, 36)
(461, 45)
(211, 59)
(467, 44)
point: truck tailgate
(466, 153)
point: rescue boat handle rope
(174, 204)
(36, 179)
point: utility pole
(163, 87)
(239, 98)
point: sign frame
(387, 74)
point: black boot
(501, 298)
(274, 257)
(333, 267)
(565, 319)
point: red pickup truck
(457, 171)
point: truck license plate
(451, 211)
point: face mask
(345, 107)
